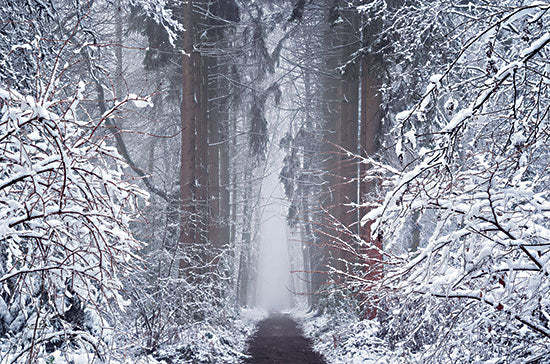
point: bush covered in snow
(473, 283)
(464, 201)
(65, 210)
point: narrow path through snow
(279, 340)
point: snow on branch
(465, 217)
(65, 210)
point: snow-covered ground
(204, 343)
(345, 340)
(216, 343)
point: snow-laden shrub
(179, 304)
(343, 337)
(477, 186)
(214, 340)
(65, 210)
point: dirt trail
(280, 341)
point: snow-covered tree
(65, 210)
(475, 286)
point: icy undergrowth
(344, 339)
(202, 343)
(220, 343)
(347, 340)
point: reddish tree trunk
(371, 116)
(187, 167)
(214, 159)
(331, 111)
(349, 125)
(347, 134)
(201, 145)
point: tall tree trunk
(330, 110)
(371, 117)
(215, 92)
(201, 146)
(246, 240)
(214, 162)
(236, 176)
(225, 232)
(187, 167)
(234, 205)
(224, 69)
(307, 240)
(349, 122)
(119, 80)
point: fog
(274, 281)
(273, 261)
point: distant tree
(324, 188)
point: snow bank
(207, 343)
(201, 343)
(345, 341)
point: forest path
(279, 340)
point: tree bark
(201, 145)
(307, 240)
(187, 167)
(246, 243)
(371, 117)
(119, 80)
(349, 123)
(330, 111)
(225, 233)
(214, 117)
